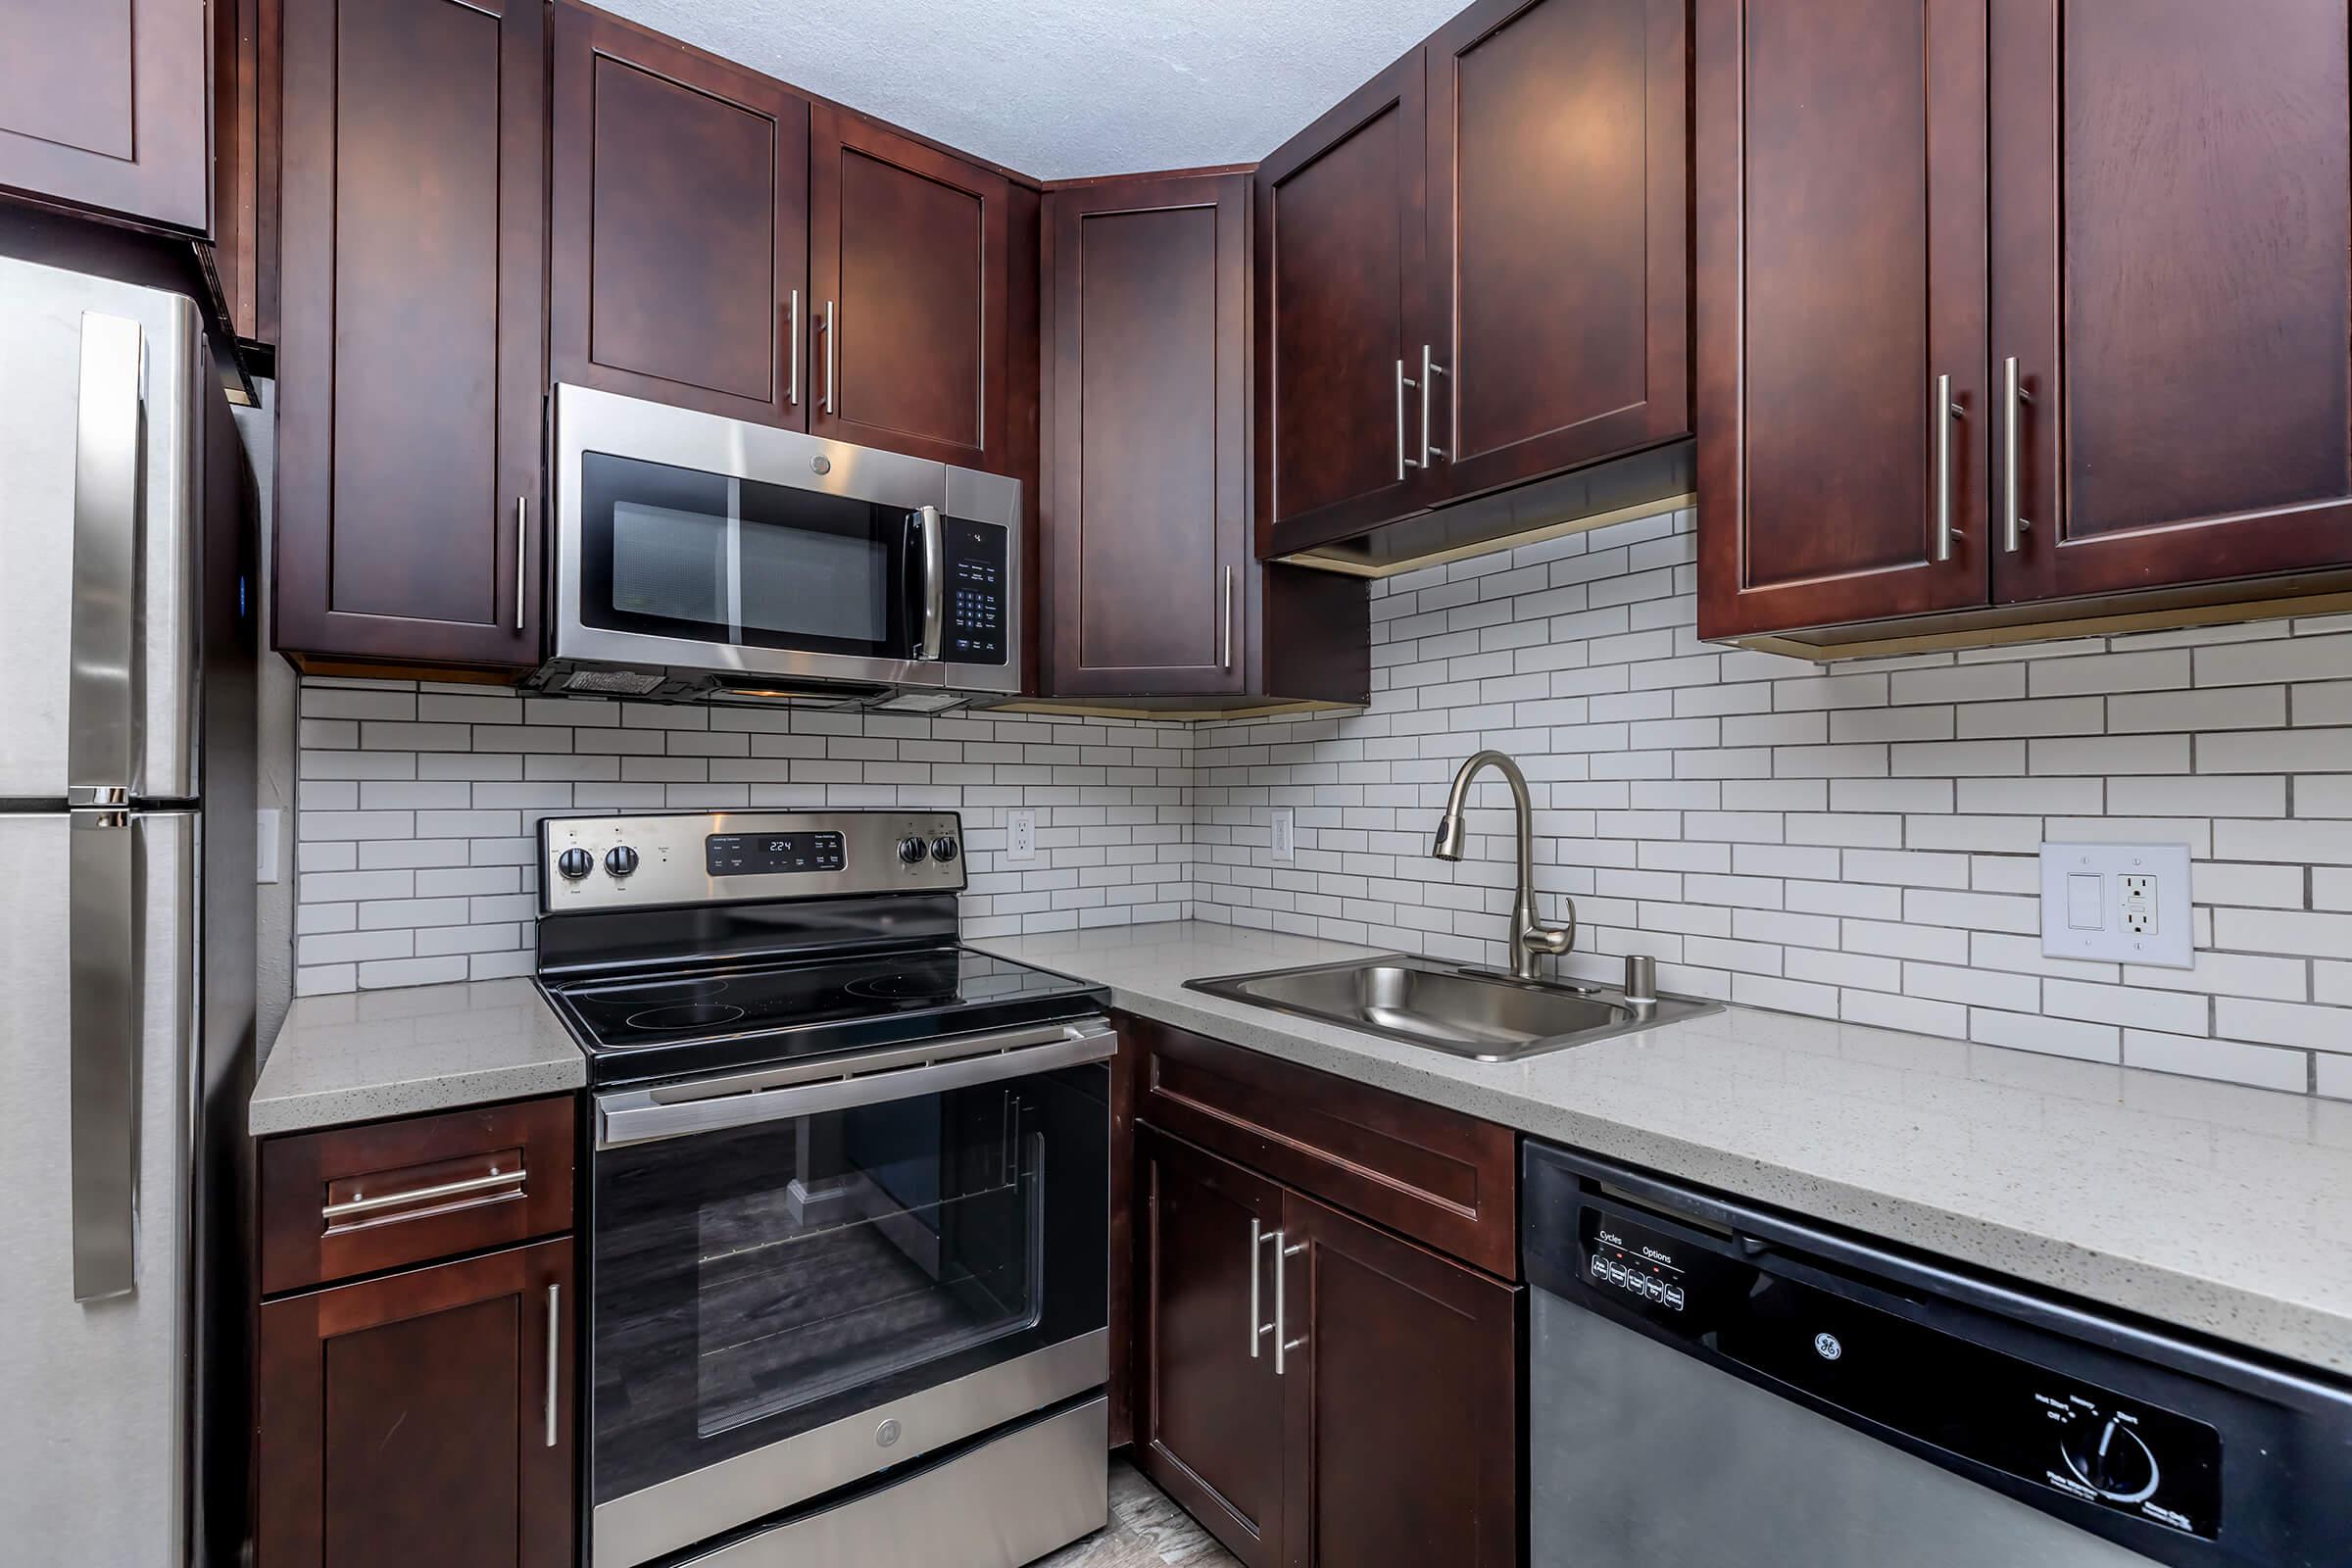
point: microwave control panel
(978, 592)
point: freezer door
(97, 1009)
(99, 467)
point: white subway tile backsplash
(1855, 842)
(1882, 868)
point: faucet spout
(1529, 936)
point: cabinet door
(680, 199)
(412, 1419)
(1558, 183)
(412, 361)
(1341, 316)
(1149, 524)
(1208, 1406)
(910, 288)
(1400, 1398)
(2172, 249)
(1840, 279)
(108, 106)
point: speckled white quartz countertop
(2206, 1205)
(376, 1053)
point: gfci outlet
(2117, 904)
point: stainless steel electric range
(848, 1210)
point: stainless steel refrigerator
(126, 929)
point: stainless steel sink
(1470, 1013)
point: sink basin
(1469, 1012)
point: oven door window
(670, 552)
(759, 1283)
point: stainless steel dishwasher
(1717, 1385)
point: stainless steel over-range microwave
(702, 556)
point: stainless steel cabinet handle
(1258, 1237)
(831, 337)
(1402, 381)
(642, 1116)
(102, 959)
(1283, 1344)
(792, 335)
(935, 587)
(424, 1194)
(555, 1337)
(2013, 398)
(101, 693)
(1431, 369)
(1943, 413)
(519, 514)
(1225, 620)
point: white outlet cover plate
(1282, 834)
(2079, 922)
(1021, 834)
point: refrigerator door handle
(104, 1028)
(102, 738)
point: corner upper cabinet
(679, 201)
(412, 358)
(1841, 305)
(1342, 307)
(1558, 255)
(2172, 228)
(108, 107)
(910, 284)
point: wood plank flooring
(1146, 1531)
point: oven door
(799, 1283)
(688, 541)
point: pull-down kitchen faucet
(1529, 937)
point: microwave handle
(935, 587)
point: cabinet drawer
(360, 1199)
(1433, 1174)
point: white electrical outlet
(1021, 834)
(264, 843)
(1284, 843)
(2117, 904)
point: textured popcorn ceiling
(1066, 88)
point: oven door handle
(635, 1116)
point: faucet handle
(1641, 978)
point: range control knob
(2110, 1457)
(621, 859)
(912, 850)
(575, 864)
(944, 850)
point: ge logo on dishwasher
(1826, 1345)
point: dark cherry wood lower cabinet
(1400, 1400)
(1377, 1422)
(408, 1420)
(1209, 1427)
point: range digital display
(771, 853)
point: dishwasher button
(1654, 1289)
(1674, 1297)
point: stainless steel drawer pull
(792, 335)
(1402, 381)
(1284, 1345)
(1943, 412)
(554, 1339)
(2013, 398)
(1258, 1237)
(515, 1179)
(1225, 621)
(832, 333)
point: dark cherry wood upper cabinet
(1400, 1400)
(1149, 520)
(1209, 1407)
(410, 1419)
(1342, 309)
(1840, 198)
(1558, 249)
(2172, 255)
(412, 358)
(108, 106)
(910, 282)
(678, 262)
